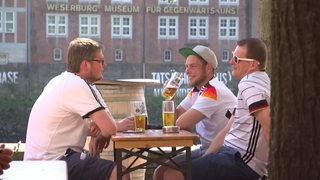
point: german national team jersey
(212, 100)
(246, 132)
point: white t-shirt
(58, 118)
(246, 133)
(213, 101)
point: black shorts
(88, 168)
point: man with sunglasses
(69, 109)
(240, 150)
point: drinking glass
(173, 85)
(138, 110)
(168, 113)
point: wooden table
(36, 170)
(151, 141)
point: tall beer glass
(172, 86)
(138, 110)
(168, 113)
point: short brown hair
(80, 49)
(256, 49)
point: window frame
(57, 51)
(167, 27)
(4, 22)
(165, 54)
(121, 26)
(225, 55)
(168, 2)
(4, 58)
(89, 1)
(1, 22)
(57, 25)
(122, 1)
(56, 0)
(229, 3)
(198, 2)
(197, 27)
(89, 25)
(116, 51)
(227, 28)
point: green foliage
(10, 107)
(14, 117)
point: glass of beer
(168, 113)
(138, 110)
(172, 86)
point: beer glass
(138, 110)
(172, 86)
(168, 113)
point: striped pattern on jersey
(96, 93)
(246, 132)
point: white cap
(204, 52)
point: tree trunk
(294, 57)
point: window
(7, 22)
(121, 26)
(168, 26)
(57, 24)
(198, 27)
(121, 1)
(57, 0)
(229, 2)
(228, 27)
(167, 55)
(198, 2)
(168, 2)
(1, 22)
(4, 58)
(225, 56)
(89, 25)
(118, 55)
(90, 1)
(57, 54)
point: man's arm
(217, 141)
(105, 122)
(263, 116)
(188, 119)
(125, 124)
(107, 126)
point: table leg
(188, 163)
(118, 160)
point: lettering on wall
(224, 77)
(191, 10)
(10, 77)
(136, 9)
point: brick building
(142, 37)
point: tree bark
(293, 31)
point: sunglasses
(102, 61)
(237, 59)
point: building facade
(142, 37)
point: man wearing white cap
(205, 106)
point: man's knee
(113, 175)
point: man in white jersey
(240, 150)
(205, 106)
(68, 110)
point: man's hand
(97, 144)
(125, 124)
(93, 129)
(5, 158)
